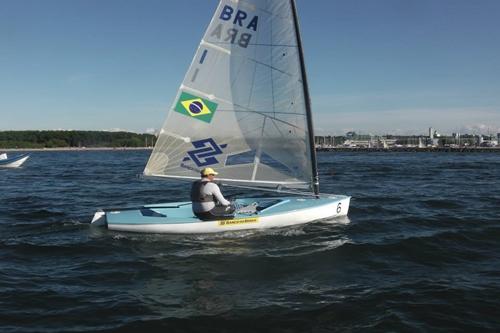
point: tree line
(73, 139)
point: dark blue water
(420, 252)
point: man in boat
(208, 201)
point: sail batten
(217, 47)
(241, 107)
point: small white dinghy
(244, 109)
(12, 162)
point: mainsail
(241, 108)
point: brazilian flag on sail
(196, 107)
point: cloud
(117, 130)
(480, 129)
(150, 131)
(407, 112)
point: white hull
(14, 164)
(336, 206)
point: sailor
(208, 201)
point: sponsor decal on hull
(224, 223)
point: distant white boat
(12, 162)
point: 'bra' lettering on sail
(239, 19)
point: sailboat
(243, 108)
(12, 162)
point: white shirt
(209, 189)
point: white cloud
(150, 131)
(406, 112)
(480, 129)
(117, 130)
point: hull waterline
(177, 218)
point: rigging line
(272, 78)
(276, 125)
(243, 117)
(278, 120)
(235, 79)
(265, 65)
(254, 44)
(270, 189)
(265, 115)
(281, 121)
(250, 95)
(255, 129)
(273, 68)
(260, 111)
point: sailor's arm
(218, 195)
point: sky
(374, 67)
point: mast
(310, 127)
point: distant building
(350, 135)
(388, 141)
(329, 141)
(421, 143)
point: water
(419, 252)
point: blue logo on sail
(205, 152)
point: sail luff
(310, 127)
(146, 172)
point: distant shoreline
(75, 149)
(329, 149)
(414, 149)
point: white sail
(241, 107)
